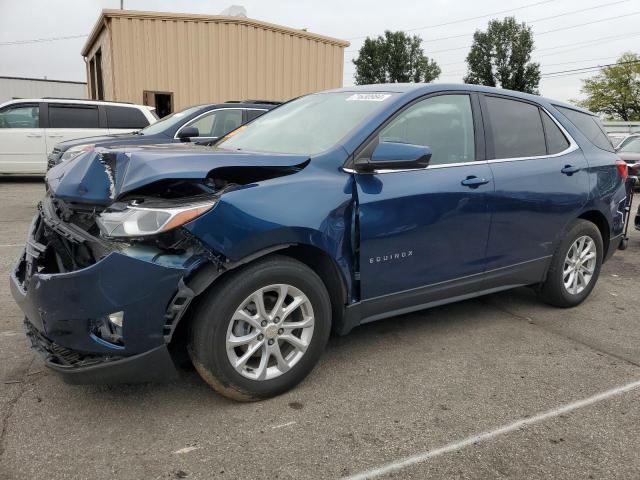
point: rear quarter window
(590, 127)
(125, 117)
(556, 141)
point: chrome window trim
(175, 137)
(573, 146)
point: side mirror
(187, 133)
(396, 156)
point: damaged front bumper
(66, 311)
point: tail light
(622, 167)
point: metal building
(173, 60)
(19, 87)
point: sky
(568, 34)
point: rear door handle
(570, 169)
(34, 135)
(474, 182)
(55, 135)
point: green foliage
(396, 57)
(501, 56)
(615, 91)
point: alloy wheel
(270, 332)
(579, 265)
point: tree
(396, 57)
(501, 56)
(615, 91)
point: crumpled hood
(99, 177)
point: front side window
(73, 116)
(308, 125)
(590, 127)
(443, 123)
(125, 117)
(23, 115)
(517, 128)
(217, 123)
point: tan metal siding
(103, 44)
(213, 61)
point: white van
(29, 128)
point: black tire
(207, 338)
(553, 290)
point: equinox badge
(392, 256)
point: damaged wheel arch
(210, 275)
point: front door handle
(34, 135)
(570, 170)
(474, 182)
(55, 135)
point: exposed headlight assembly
(136, 221)
(75, 151)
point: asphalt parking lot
(424, 384)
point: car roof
(417, 89)
(234, 104)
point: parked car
(617, 138)
(629, 151)
(29, 128)
(625, 140)
(202, 123)
(333, 210)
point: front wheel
(261, 330)
(575, 266)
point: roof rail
(85, 100)
(265, 102)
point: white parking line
(288, 424)
(452, 447)
(12, 245)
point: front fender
(312, 207)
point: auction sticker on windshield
(368, 97)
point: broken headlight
(136, 221)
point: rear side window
(556, 141)
(125, 117)
(73, 116)
(251, 114)
(590, 127)
(23, 115)
(517, 128)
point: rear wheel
(575, 266)
(262, 330)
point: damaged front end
(108, 270)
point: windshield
(631, 146)
(168, 122)
(308, 125)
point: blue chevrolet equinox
(333, 210)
